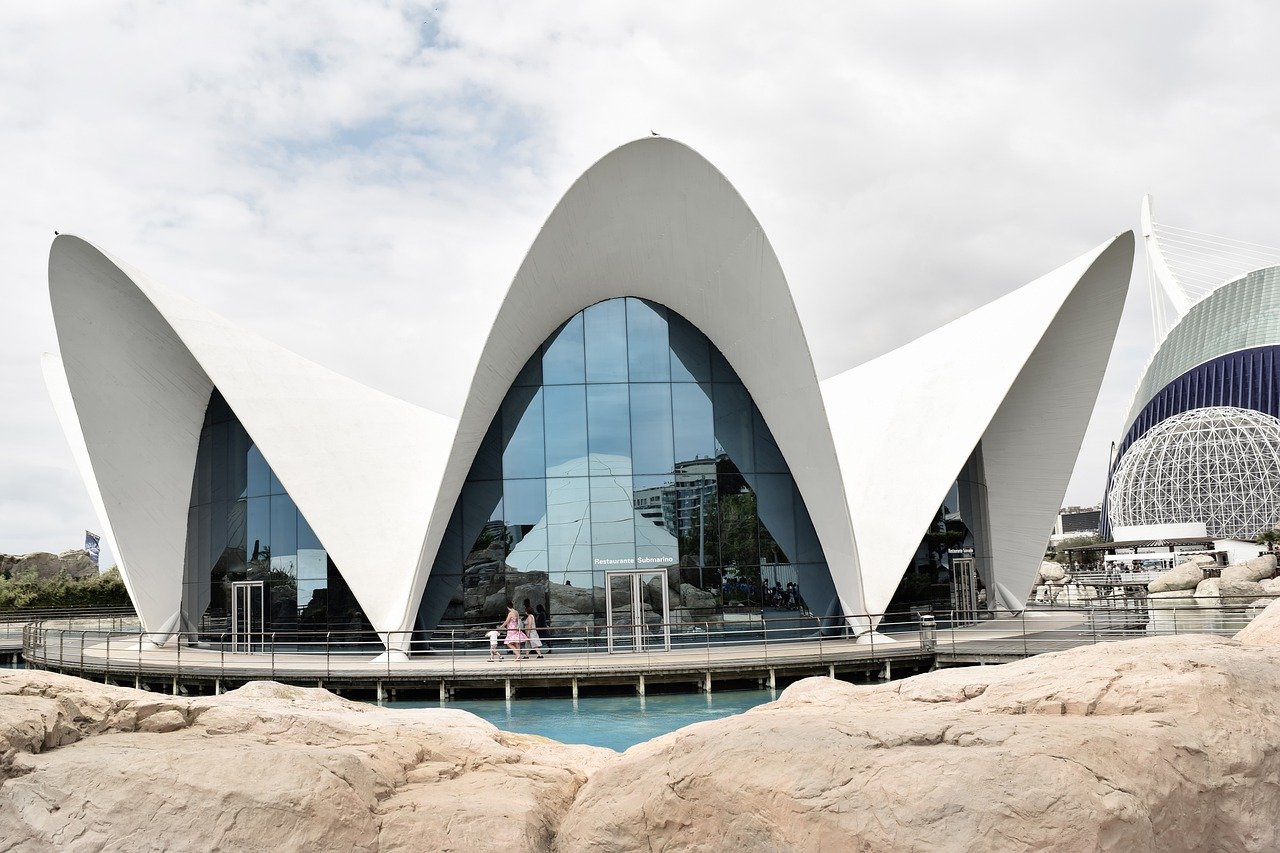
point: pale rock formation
(1166, 743)
(1051, 572)
(1264, 630)
(1257, 569)
(75, 563)
(1207, 593)
(1182, 576)
(1160, 744)
(1271, 586)
(268, 767)
(1202, 559)
(1239, 591)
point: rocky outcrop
(1264, 630)
(1182, 576)
(1257, 569)
(1050, 573)
(85, 766)
(1239, 591)
(1166, 743)
(1207, 593)
(45, 566)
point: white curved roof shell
(652, 219)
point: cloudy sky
(359, 181)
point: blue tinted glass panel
(259, 475)
(563, 355)
(733, 424)
(609, 429)
(284, 532)
(605, 327)
(522, 454)
(651, 435)
(569, 524)
(258, 528)
(612, 528)
(648, 353)
(768, 457)
(566, 426)
(692, 421)
(690, 351)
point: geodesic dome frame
(1218, 465)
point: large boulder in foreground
(268, 767)
(1160, 744)
(1183, 576)
(1167, 743)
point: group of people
(787, 598)
(520, 628)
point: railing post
(453, 652)
(1023, 615)
(273, 655)
(326, 655)
(222, 656)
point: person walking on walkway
(514, 635)
(531, 628)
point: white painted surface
(1007, 374)
(361, 466)
(378, 478)
(653, 219)
(1137, 532)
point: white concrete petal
(362, 467)
(655, 220)
(906, 423)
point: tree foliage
(28, 592)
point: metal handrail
(118, 652)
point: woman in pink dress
(514, 635)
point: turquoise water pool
(616, 722)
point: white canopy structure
(872, 451)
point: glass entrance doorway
(637, 611)
(964, 588)
(248, 616)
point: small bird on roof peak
(654, 133)
(55, 233)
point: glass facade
(242, 526)
(627, 444)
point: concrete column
(444, 692)
(510, 692)
(640, 683)
(217, 687)
(773, 679)
(831, 671)
(706, 682)
(381, 695)
(575, 687)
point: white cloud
(359, 182)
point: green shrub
(28, 592)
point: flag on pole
(92, 545)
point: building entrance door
(248, 616)
(964, 588)
(637, 611)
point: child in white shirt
(493, 645)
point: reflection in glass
(563, 355)
(627, 458)
(243, 526)
(648, 350)
(609, 429)
(605, 326)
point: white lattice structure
(1217, 465)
